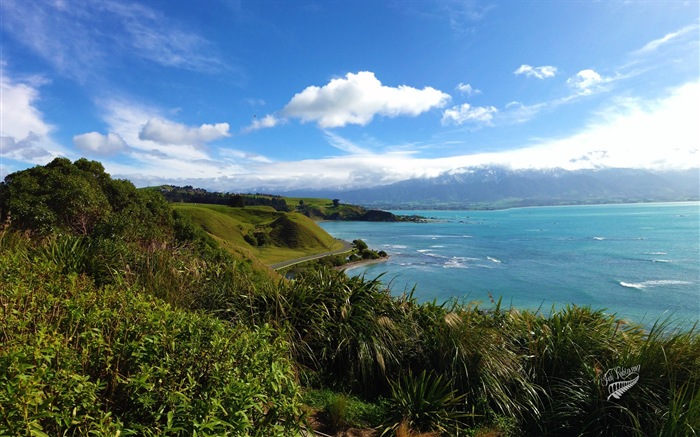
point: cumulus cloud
(24, 134)
(357, 98)
(98, 144)
(167, 132)
(467, 89)
(542, 72)
(266, 122)
(466, 113)
(587, 82)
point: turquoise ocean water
(640, 261)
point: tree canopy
(80, 198)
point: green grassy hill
(268, 235)
(320, 209)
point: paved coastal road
(347, 247)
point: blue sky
(245, 95)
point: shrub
(79, 359)
(424, 403)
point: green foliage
(81, 199)
(102, 331)
(424, 403)
(359, 245)
(78, 359)
(351, 411)
(189, 194)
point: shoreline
(364, 262)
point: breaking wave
(655, 283)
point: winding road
(347, 247)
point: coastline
(356, 264)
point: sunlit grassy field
(292, 235)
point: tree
(59, 196)
(81, 198)
(336, 202)
(359, 245)
(236, 201)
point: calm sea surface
(640, 261)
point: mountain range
(500, 187)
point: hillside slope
(261, 232)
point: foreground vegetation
(149, 327)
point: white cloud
(357, 98)
(630, 133)
(465, 113)
(81, 38)
(517, 112)
(128, 119)
(172, 160)
(344, 144)
(266, 122)
(542, 72)
(587, 82)
(167, 132)
(24, 134)
(96, 143)
(467, 89)
(652, 46)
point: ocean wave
(654, 283)
(396, 246)
(462, 262)
(599, 238)
(434, 255)
(437, 236)
(662, 260)
(424, 250)
(492, 259)
(455, 263)
(655, 253)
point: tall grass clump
(474, 350)
(424, 403)
(342, 329)
(577, 351)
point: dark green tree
(58, 197)
(80, 198)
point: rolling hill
(261, 232)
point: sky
(238, 95)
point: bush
(425, 403)
(78, 359)
(349, 410)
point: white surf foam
(654, 283)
